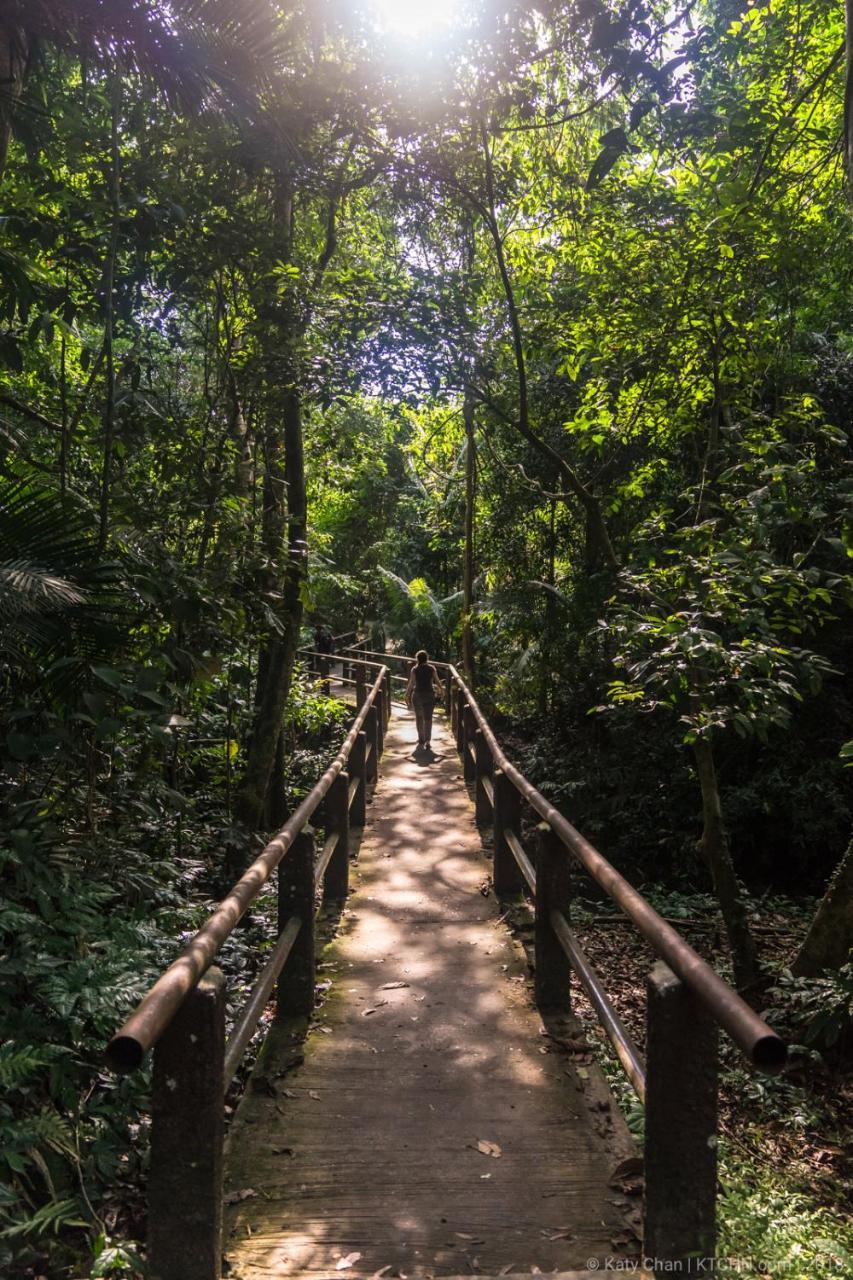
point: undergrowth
(90, 914)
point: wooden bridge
(436, 1114)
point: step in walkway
(426, 1126)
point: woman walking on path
(421, 692)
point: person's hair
(421, 656)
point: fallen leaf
(283, 1151)
(504, 1271)
(627, 1177)
(488, 1148)
(312, 1093)
(393, 986)
(583, 1073)
(377, 1275)
(343, 1264)
(236, 1197)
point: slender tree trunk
(468, 562)
(848, 95)
(276, 668)
(829, 941)
(715, 847)
(109, 319)
(598, 533)
(550, 611)
(14, 68)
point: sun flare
(414, 19)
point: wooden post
(372, 731)
(469, 770)
(360, 687)
(484, 769)
(336, 879)
(460, 721)
(553, 893)
(388, 699)
(357, 770)
(187, 1131)
(452, 704)
(507, 873)
(681, 1126)
(295, 990)
(379, 704)
(448, 696)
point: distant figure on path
(324, 639)
(421, 692)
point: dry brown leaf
(393, 986)
(343, 1264)
(312, 1093)
(236, 1197)
(488, 1148)
(627, 1177)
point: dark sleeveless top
(424, 674)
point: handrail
(158, 1007)
(765, 1049)
(396, 657)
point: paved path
(426, 1057)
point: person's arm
(410, 687)
(436, 684)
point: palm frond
(193, 51)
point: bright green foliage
(623, 235)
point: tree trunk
(549, 627)
(828, 943)
(848, 96)
(14, 67)
(715, 847)
(280, 653)
(598, 536)
(109, 318)
(468, 564)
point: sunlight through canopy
(415, 19)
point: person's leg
(429, 707)
(420, 720)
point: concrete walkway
(432, 1128)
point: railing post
(448, 696)
(371, 728)
(553, 893)
(295, 990)
(336, 880)
(681, 1125)
(386, 693)
(469, 770)
(358, 809)
(506, 872)
(460, 721)
(187, 1130)
(360, 686)
(484, 768)
(379, 704)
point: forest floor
(786, 1160)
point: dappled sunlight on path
(427, 1045)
